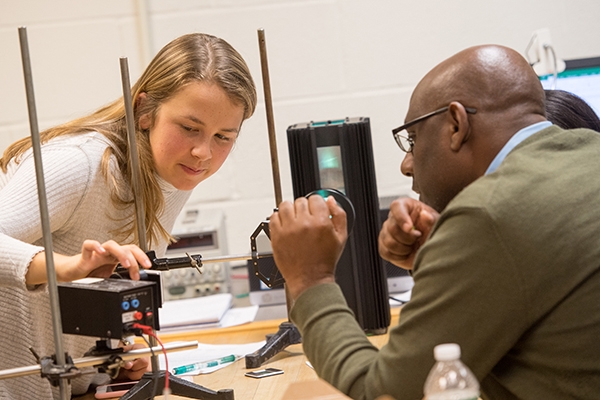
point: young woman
(189, 106)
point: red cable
(150, 332)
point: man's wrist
(295, 289)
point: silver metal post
(133, 155)
(45, 220)
(264, 62)
(135, 177)
(270, 120)
(93, 361)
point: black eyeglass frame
(395, 131)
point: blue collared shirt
(514, 141)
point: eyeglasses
(406, 143)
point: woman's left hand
(133, 370)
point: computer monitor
(581, 77)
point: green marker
(201, 365)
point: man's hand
(406, 229)
(98, 260)
(307, 237)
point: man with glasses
(511, 269)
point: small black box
(106, 308)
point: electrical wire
(155, 377)
(554, 58)
(166, 390)
(150, 332)
(555, 64)
(398, 300)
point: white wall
(328, 59)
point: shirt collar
(165, 186)
(514, 141)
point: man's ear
(461, 125)
(145, 120)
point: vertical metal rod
(135, 177)
(262, 45)
(270, 121)
(133, 156)
(43, 201)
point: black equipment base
(287, 335)
(152, 384)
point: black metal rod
(44, 215)
(167, 264)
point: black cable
(398, 300)
(154, 375)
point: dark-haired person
(570, 111)
(509, 270)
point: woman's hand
(133, 370)
(98, 260)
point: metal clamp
(54, 373)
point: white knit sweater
(80, 208)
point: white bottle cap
(446, 352)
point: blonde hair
(192, 57)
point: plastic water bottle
(450, 379)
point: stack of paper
(197, 311)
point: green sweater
(511, 272)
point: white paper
(238, 316)
(207, 352)
(233, 316)
(194, 311)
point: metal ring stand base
(287, 335)
(152, 384)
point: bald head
(490, 78)
(486, 94)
